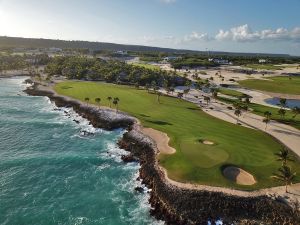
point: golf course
(282, 84)
(188, 128)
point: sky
(262, 26)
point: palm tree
(172, 89)
(179, 95)
(87, 99)
(207, 99)
(109, 99)
(238, 113)
(282, 112)
(215, 93)
(247, 100)
(266, 121)
(284, 156)
(296, 111)
(186, 91)
(116, 103)
(286, 176)
(282, 102)
(158, 96)
(98, 100)
(268, 114)
(148, 86)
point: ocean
(54, 170)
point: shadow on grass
(143, 115)
(193, 108)
(159, 122)
(66, 87)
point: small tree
(109, 100)
(285, 175)
(268, 114)
(266, 121)
(284, 156)
(180, 95)
(296, 111)
(158, 96)
(87, 99)
(238, 113)
(186, 91)
(207, 99)
(282, 102)
(98, 100)
(116, 103)
(282, 112)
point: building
(220, 61)
(262, 61)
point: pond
(291, 103)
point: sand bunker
(161, 139)
(238, 175)
(206, 142)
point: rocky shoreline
(170, 203)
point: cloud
(168, 1)
(195, 36)
(244, 33)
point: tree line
(83, 68)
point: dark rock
(139, 189)
(129, 158)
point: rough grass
(147, 66)
(186, 126)
(276, 84)
(232, 93)
(263, 67)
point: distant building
(220, 61)
(170, 58)
(121, 52)
(262, 61)
(53, 50)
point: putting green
(210, 155)
(186, 124)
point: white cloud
(245, 34)
(195, 36)
(168, 1)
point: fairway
(275, 84)
(186, 125)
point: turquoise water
(50, 173)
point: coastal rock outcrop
(186, 206)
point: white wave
(102, 166)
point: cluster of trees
(9, 62)
(84, 68)
(192, 62)
(20, 62)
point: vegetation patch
(282, 84)
(263, 66)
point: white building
(262, 61)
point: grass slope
(276, 84)
(186, 124)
